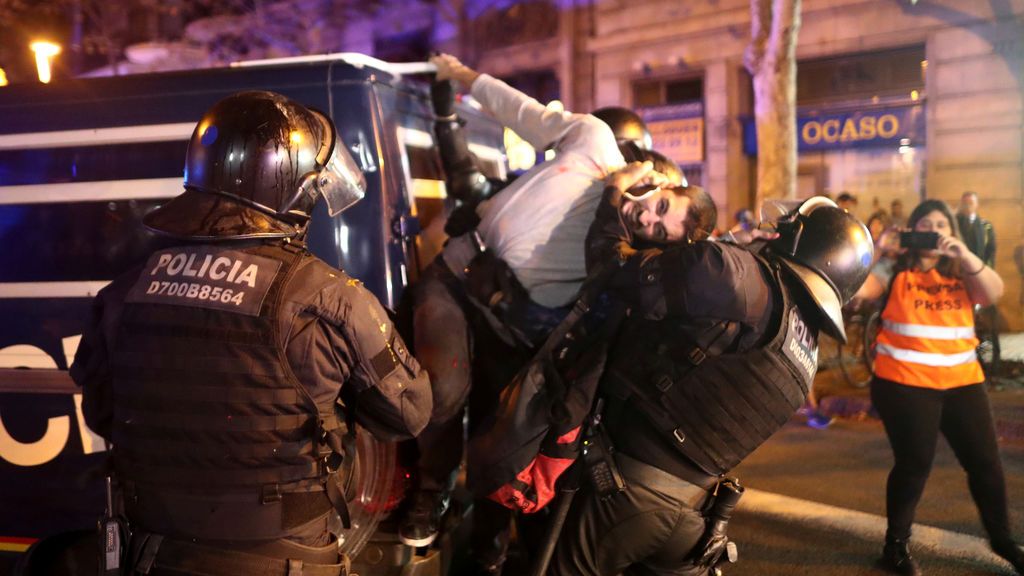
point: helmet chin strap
(306, 194)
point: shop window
(674, 111)
(519, 23)
(886, 74)
(648, 93)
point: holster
(714, 546)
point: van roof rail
(352, 58)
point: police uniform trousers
(649, 528)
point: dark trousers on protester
(650, 528)
(449, 333)
(443, 348)
(913, 418)
(468, 365)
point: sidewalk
(839, 400)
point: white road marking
(942, 543)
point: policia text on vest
(223, 280)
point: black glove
(462, 220)
(442, 94)
(491, 282)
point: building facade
(897, 100)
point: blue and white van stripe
(99, 191)
(98, 136)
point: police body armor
(717, 409)
(214, 437)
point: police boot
(423, 519)
(896, 558)
(1011, 552)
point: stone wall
(976, 130)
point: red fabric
(569, 437)
(540, 478)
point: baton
(540, 567)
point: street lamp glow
(3, 77)
(44, 52)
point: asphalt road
(844, 468)
(771, 547)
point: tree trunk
(771, 60)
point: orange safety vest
(927, 335)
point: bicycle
(856, 358)
(986, 328)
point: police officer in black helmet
(627, 125)
(227, 371)
(718, 349)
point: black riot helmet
(256, 164)
(627, 126)
(829, 251)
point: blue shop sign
(854, 129)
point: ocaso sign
(851, 129)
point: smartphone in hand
(919, 240)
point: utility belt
(127, 549)
(604, 468)
(692, 495)
(154, 553)
(255, 514)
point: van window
(68, 241)
(92, 163)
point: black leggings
(913, 418)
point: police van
(82, 161)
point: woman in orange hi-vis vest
(928, 380)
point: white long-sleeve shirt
(539, 223)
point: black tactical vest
(213, 435)
(716, 409)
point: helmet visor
(341, 183)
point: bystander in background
(896, 214)
(847, 202)
(980, 237)
(978, 233)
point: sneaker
(1010, 552)
(423, 520)
(896, 559)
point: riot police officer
(227, 371)
(718, 349)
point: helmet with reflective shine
(829, 251)
(256, 165)
(627, 126)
